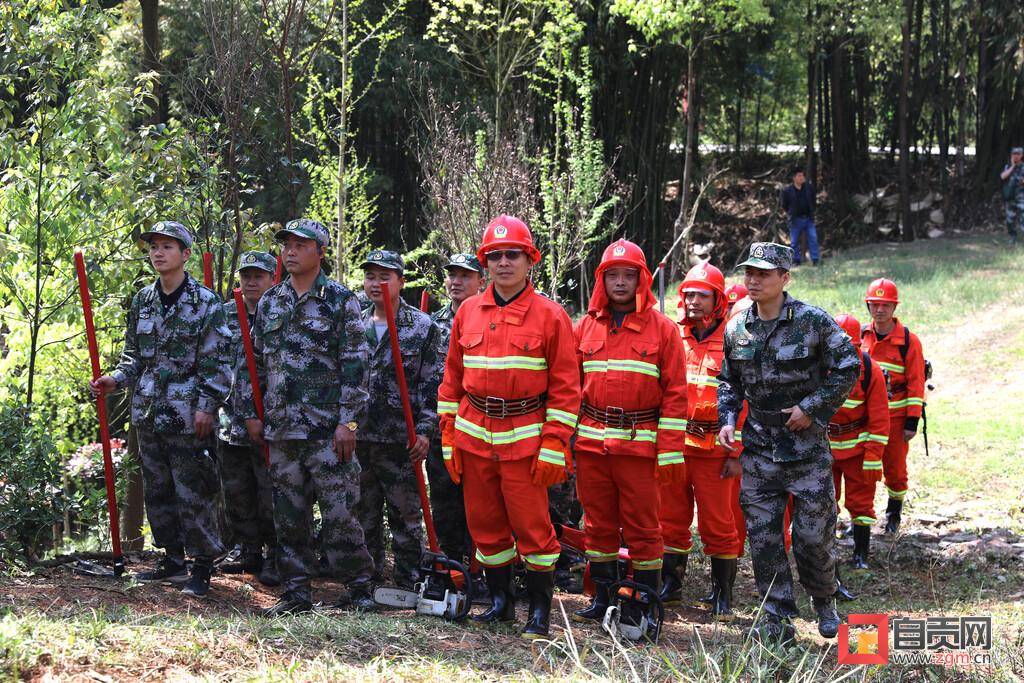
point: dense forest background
(408, 123)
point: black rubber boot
(269, 576)
(540, 587)
(650, 578)
(672, 573)
(291, 602)
(828, 618)
(603, 574)
(723, 574)
(861, 547)
(503, 601)
(893, 513)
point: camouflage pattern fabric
(423, 361)
(178, 361)
(180, 483)
(447, 506)
(388, 481)
(1015, 206)
(443, 319)
(801, 358)
(311, 356)
(231, 418)
(304, 471)
(248, 501)
(764, 490)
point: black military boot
(771, 629)
(828, 618)
(269, 576)
(540, 587)
(861, 547)
(169, 570)
(723, 574)
(503, 601)
(672, 573)
(291, 602)
(603, 574)
(842, 591)
(248, 563)
(198, 584)
(893, 512)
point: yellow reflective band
(672, 424)
(860, 438)
(497, 438)
(497, 558)
(670, 458)
(446, 452)
(562, 416)
(598, 556)
(864, 521)
(903, 403)
(703, 381)
(447, 407)
(622, 365)
(646, 564)
(739, 436)
(873, 465)
(678, 551)
(505, 363)
(850, 403)
(892, 367)
(895, 494)
(842, 445)
(552, 457)
(880, 438)
(602, 433)
(541, 560)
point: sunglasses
(510, 254)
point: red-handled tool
(250, 361)
(208, 269)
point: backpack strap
(905, 346)
(865, 381)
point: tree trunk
(340, 237)
(812, 100)
(151, 55)
(907, 225)
(961, 104)
(691, 137)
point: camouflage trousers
(389, 482)
(247, 497)
(448, 508)
(1015, 216)
(181, 483)
(303, 472)
(764, 491)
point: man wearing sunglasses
(508, 406)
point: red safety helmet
(706, 277)
(622, 252)
(734, 293)
(850, 326)
(882, 291)
(507, 232)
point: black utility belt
(618, 418)
(492, 406)
(769, 418)
(835, 429)
(701, 428)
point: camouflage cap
(169, 229)
(307, 228)
(382, 258)
(258, 259)
(465, 261)
(768, 256)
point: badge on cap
(376, 255)
(251, 258)
(758, 252)
(500, 231)
(703, 275)
(459, 258)
(732, 296)
(619, 250)
(879, 292)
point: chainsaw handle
(653, 598)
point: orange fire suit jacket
(906, 377)
(514, 352)
(638, 366)
(703, 363)
(869, 408)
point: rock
(861, 200)
(869, 216)
(886, 229)
(935, 233)
(931, 520)
(960, 538)
(937, 217)
(998, 548)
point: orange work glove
(671, 467)
(552, 463)
(452, 456)
(872, 472)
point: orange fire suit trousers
(860, 495)
(713, 495)
(506, 512)
(620, 492)
(894, 460)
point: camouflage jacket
(179, 362)
(232, 421)
(444, 319)
(423, 354)
(311, 357)
(801, 358)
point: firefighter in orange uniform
(733, 294)
(632, 422)
(711, 470)
(898, 351)
(858, 434)
(508, 406)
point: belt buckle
(696, 430)
(618, 414)
(490, 401)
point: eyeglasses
(510, 254)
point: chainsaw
(635, 613)
(444, 591)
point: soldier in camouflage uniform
(243, 469)
(794, 366)
(311, 356)
(388, 479)
(1012, 178)
(177, 354)
(465, 278)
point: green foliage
(674, 20)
